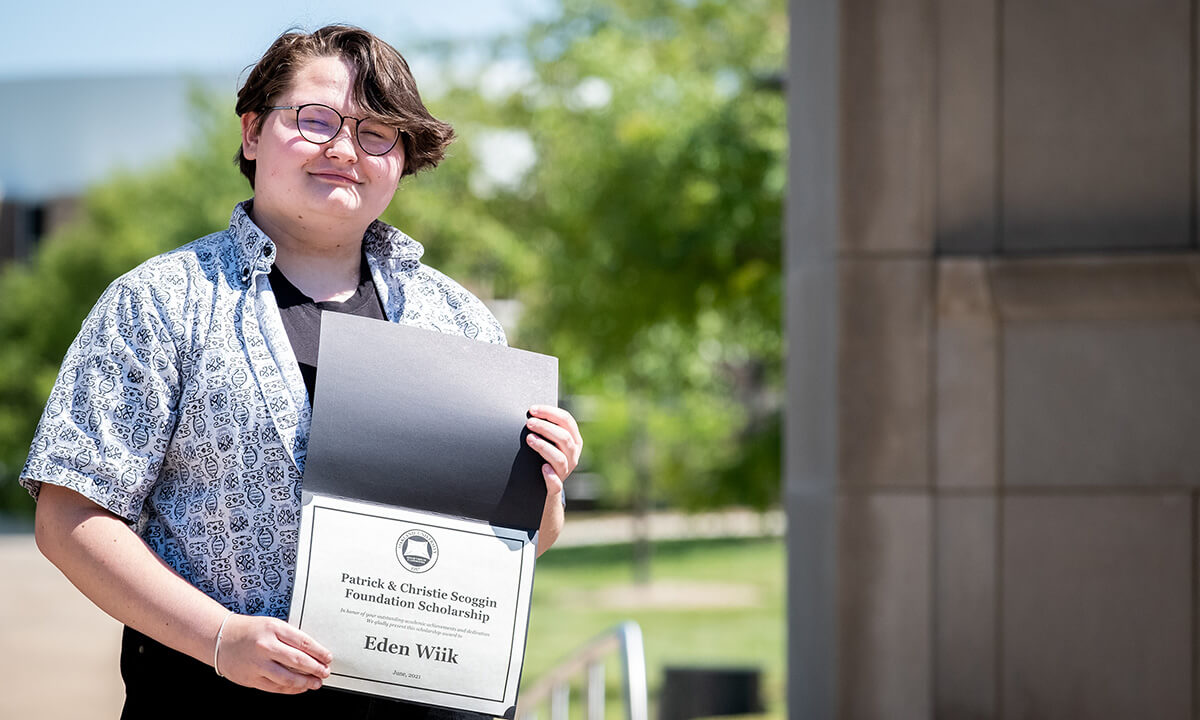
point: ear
(250, 135)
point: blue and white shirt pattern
(180, 406)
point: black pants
(163, 683)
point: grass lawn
(710, 603)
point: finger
(267, 685)
(288, 681)
(557, 421)
(554, 484)
(293, 636)
(550, 453)
(300, 662)
(558, 416)
(272, 687)
(556, 434)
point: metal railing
(625, 640)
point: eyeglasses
(319, 124)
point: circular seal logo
(417, 551)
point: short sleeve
(110, 416)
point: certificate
(419, 514)
(415, 606)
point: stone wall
(993, 215)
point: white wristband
(217, 647)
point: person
(168, 464)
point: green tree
(654, 212)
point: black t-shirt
(301, 317)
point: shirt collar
(255, 252)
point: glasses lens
(376, 137)
(318, 124)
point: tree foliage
(121, 223)
(643, 244)
(655, 213)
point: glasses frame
(343, 119)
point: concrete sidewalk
(604, 529)
(59, 653)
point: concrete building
(994, 369)
(71, 132)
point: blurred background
(615, 195)
(973, 223)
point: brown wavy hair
(383, 86)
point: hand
(268, 654)
(554, 434)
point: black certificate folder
(428, 421)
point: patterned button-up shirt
(180, 406)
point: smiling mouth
(336, 177)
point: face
(296, 181)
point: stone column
(994, 359)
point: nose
(342, 144)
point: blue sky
(74, 38)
